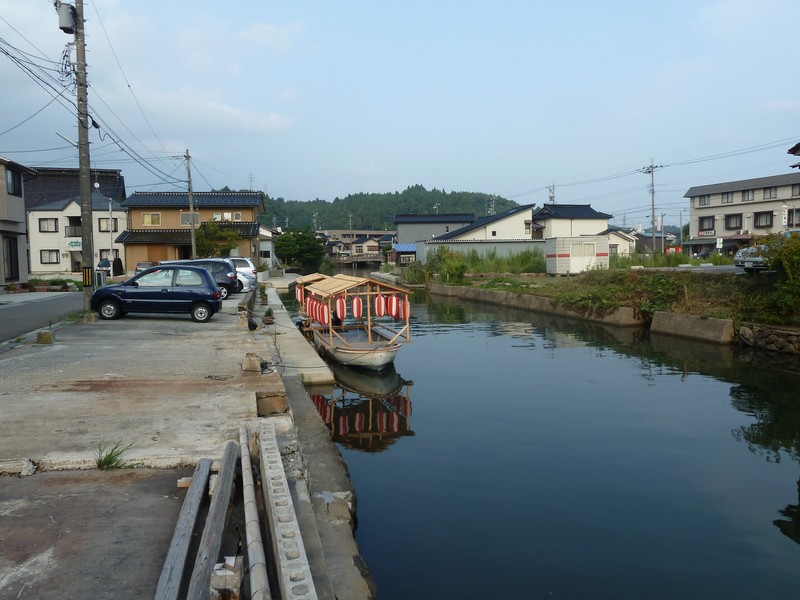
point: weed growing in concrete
(111, 458)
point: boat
(356, 321)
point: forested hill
(377, 211)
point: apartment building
(729, 215)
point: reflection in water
(790, 527)
(365, 410)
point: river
(521, 456)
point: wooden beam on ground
(211, 541)
(172, 573)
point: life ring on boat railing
(380, 305)
(341, 308)
(357, 306)
(392, 305)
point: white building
(13, 242)
(737, 211)
(55, 234)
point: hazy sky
(320, 99)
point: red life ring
(380, 305)
(357, 307)
(393, 305)
(341, 308)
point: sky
(315, 99)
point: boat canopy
(324, 286)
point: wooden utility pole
(191, 202)
(649, 170)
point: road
(18, 318)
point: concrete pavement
(176, 391)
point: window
(770, 193)
(733, 221)
(104, 254)
(706, 223)
(102, 224)
(48, 225)
(494, 233)
(218, 216)
(185, 277)
(793, 217)
(159, 278)
(527, 227)
(796, 189)
(264, 254)
(13, 183)
(151, 218)
(748, 195)
(762, 219)
(727, 197)
(703, 200)
(186, 220)
(237, 216)
(227, 216)
(48, 257)
(359, 249)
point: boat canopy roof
(325, 286)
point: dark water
(526, 457)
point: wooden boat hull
(373, 356)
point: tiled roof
(50, 184)
(179, 237)
(483, 221)
(99, 203)
(199, 199)
(744, 184)
(443, 218)
(404, 247)
(568, 211)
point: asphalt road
(18, 318)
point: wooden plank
(169, 582)
(211, 541)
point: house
(502, 234)
(621, 241)
(52, 184)
(414, 228)
(731, 214)
(13, 237)
(567, 220)
(160, 224)
(266, 247)
(55, 233)
(644, 241)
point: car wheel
(239, 286)
(224, 291)
(109, 309)
(201, 312)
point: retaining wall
(707, 329)
(621, 317)
(767, 337)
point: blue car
(161, 289)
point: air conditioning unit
(739, 232)
(746, 231)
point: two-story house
(568, 220)
(160, 223)
(13, 238)
(414, 228)
(55, 234)
(736, 211)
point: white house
(55, 234)
(568, 220)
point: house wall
(409, 233)
(509, 228)
(624, 246)
(171, 217)
(13, 239)
(573, 227)
(500, 248)
(69, 248)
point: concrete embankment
(621, 317)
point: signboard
(719, 243)
(707, 233)
(75, 244)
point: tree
(300, 248)
(214, 240)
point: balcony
(73, 231)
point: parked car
(105, 266)
(221, 269)
(144, 264)
(750, 259)
(161, 289)
(246, 272)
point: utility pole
(551, 193)
(191, 201)
(314, 218)
(649, 170)
(70, 21)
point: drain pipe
(259, 582)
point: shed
(571, 255)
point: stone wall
(766, 337)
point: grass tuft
(111, 458)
